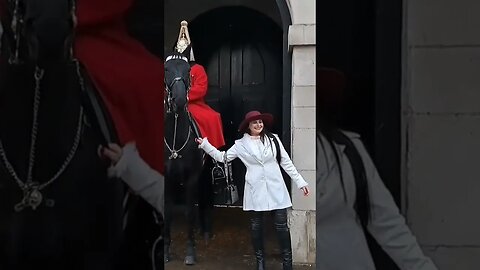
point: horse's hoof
(190, 260)
(166, 254)
(191, 255)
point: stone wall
(441, 127)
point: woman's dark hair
(330, 103)
(266, 133)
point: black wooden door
(243, 60)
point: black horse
(58, 208)
(183, 157)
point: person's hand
(113, 152)
(199, 140)
(305, 191)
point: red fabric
(209, 121)
(129, 78)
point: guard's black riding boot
(257, 240)
(283, 234)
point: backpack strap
(362, 201)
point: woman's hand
(305, 191)
(113, 152)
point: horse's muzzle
(49, 41)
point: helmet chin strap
(15, 25)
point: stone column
(301, 41)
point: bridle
(168, 101)
(17, 26)
(168, 104)
(31, 187)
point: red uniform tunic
(209, 121)
(129, 78)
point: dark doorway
(243, 60)
(363, 39)
(145, 23)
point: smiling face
(255, 127)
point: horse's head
(38, 32)
(177, 82)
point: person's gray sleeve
(388, 226)
(140, 177)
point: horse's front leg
(205, 201)
(191, 198)
(168, 218)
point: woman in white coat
(265, 189)
(351, 197)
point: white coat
(341, 243)
(265, 187)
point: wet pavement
(230, 247)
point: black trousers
(283, 235)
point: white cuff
(117, 170)
(204, 142)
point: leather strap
(97, 111)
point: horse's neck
(182, 124)
(59, 101)
(58, 88)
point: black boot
(283, 234)
(286, 249)
(257, 239)
(259, 256)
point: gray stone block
(443, 22)
(303, 61)
(443, 185)
(303, 118)
(456, 258)
(445, 80)
(303, 96)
